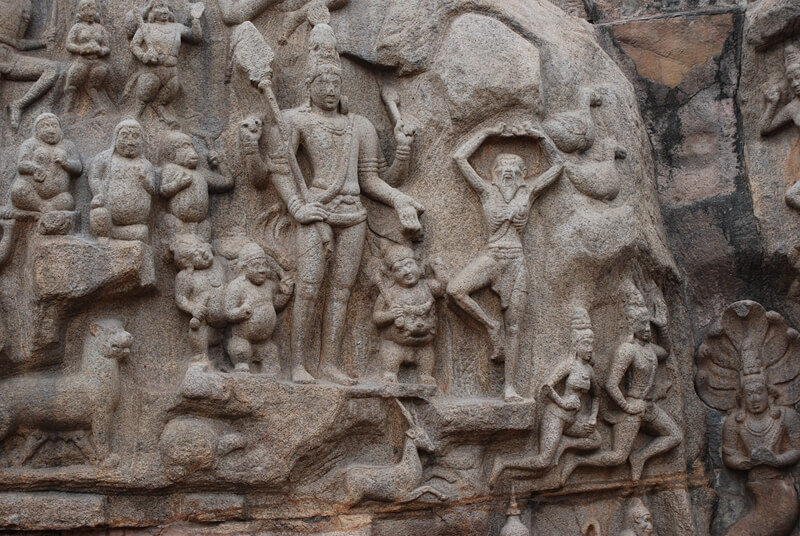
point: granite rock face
(366, 267)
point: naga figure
(753, 353)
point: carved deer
(398, 482)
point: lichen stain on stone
(666, 50)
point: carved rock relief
(357, 267)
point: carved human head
(128, 139)
(581, 336)
(638, 315)
(177, 148)
(402, 265)
(638, 518)
(88, 11)
(791, 56)
(161, 12)
(254, 262)
(508, 167)
(755, 394)
(323, 70)
(325, 89)
(190, 251)
(47, 129)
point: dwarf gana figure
(506, 200)
(123, 183)
(16, 16)
(89, 42)
(753, 353)
(405, 312)
(157, 44)
(638, 519)
(345, 161)
(569, 420)
(46, 165)
(252, 301)
(200, 291)
(187, 184)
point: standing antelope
(398, 482)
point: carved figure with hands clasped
(506, 201)
(89, 42)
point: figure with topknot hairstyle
(252, 302)
(405, 314)
(506, 201)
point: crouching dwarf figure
(47, 163)
(123, 183)
(251, 304)
(405, 312)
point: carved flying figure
(399, 482)
(187, 185)
(200, 291)
(85, 400)
(18, 67)
(749, 366)
(635, 361)
(500, 265)
(567, 422)
(123, 183)
(89, 43)
(405, 314)
(46, 166)
(251, 304)
(156, 45)
(345, 157)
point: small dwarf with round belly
(187, 184)
(47, 163)
(251, 304)
(200, 291)
(123, 183)
(405, 312)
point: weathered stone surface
(351, 267)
